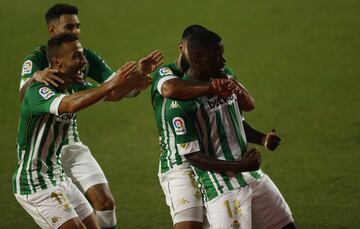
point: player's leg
(230, 210)
(55, 207)
(269, 207)
(183, 198)
(87, 175)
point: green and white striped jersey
(96, 69)
(169, 155)
(41, 134)
(212, 125)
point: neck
(197, 75)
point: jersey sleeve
(97, 67)
(181, 120)
(32, 63)
(43, 99)
(162, 75)
(229, 71)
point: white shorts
(81, 166)
(182, 194)
(54, 206)
(269, 208)
(230, 210)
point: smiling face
(66, 23)
(71, 62)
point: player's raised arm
(80, 100)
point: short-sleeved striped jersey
(96, 68)
(210, 124)
(41, 134)
(169, 157)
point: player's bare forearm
(123, 90)
(253, 135)
(83, 99)
(206, 162)
(245, 100)
(185, 89)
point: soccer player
(175, 174)
(77, 160)
(211, 133)
(46, 114)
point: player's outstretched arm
(245, 99)
(83, 99)
(46, 76)
(250, 162)
(270, 140)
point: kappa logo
(27, 67)
(165, 71)
(46, 93)
(174, 105)
(179, 126)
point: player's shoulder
(40, 90)
(229, 71)
(175, 106)
(39, 52)
(170, 69)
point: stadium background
(300, 60)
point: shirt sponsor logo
(46, 93)
(218, 101)
(165, 71)
(179, 126)
(27, 67)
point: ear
(51, 29)
(180, 46)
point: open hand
(150, 63)
(47, 76)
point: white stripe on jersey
(163, 122)
(21, 160)
(172, 144)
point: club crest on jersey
(179, 126)
(165, 71)
(46, 93)
(27, 67)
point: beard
(184, 64)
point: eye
(77, 25)
(69, 26)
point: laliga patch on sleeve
(46, 93)
(179, 126)
(165, 71)
(27, 67)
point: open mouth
(80, 74)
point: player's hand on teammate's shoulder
(47, 76)
(223, 86)
(272, 140)
(150, 63)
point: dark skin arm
(186, 89)
(250, 162)
(270, 140)
(245, 99)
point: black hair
(191, 29)
(54, 44)
(202, 40)
(57, 10)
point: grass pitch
(300, 60)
